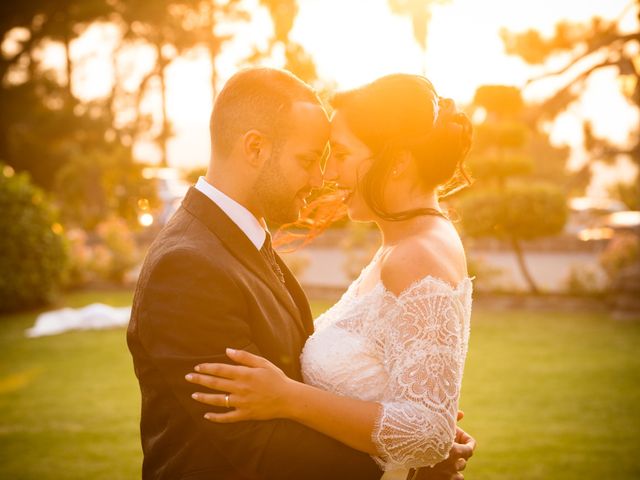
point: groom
(211, 280)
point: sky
(356, 41)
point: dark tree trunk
(164, 134)
(517, 248)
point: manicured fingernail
(208, 416)
(197, 368)
(188, 376)
(195, 395)
(231, 351)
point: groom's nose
(316, 178)
(330, 171)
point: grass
(548, 396)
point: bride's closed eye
(339, 156)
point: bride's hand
(255, 388)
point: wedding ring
(226, 400)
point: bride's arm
(258, 390)
(415, 423)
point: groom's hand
(451, 468)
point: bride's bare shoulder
(438, 256)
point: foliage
(40, 122)
(484, 274)
(502, 100)
(34, 254)
(194, 174)
(105, 256)
(95, 184)
(509, 201)
(487, 167)
(42, 130)
(583, 280)
(300, 62)
(511, 141)
(116, 253)
(172, 28)
(296, 59)
(582, 49)
(510, 134)
(80, 258)
(420, 13)
(523, 211)
(622, 251)
(628, 193)
(44, 120)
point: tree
(628, 193)
(590, 47)
(25, 90)
(170, 27)
(173, 27)
(94, 185)
(508, 202)
(296, 59)
(47, 130)
(420, 13)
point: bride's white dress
(404, 351)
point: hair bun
(448, 145)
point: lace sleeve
(424, 343)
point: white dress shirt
(243, 218)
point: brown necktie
(269, 255)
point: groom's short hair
(255, 98)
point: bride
(383, 369)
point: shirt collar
(242, 217)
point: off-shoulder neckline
(458, 288)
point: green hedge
(34, 256)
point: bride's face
(348, 162)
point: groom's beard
(275, 195)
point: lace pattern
(406, 352)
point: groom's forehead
(310, 112)
(309, 120)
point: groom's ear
(256, 147)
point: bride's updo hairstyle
(403, 112)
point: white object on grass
(92, 317)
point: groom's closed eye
(309, 160)
(306, 161)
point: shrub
(107, 255)
(117, 252)
(34, 256)
(621, 251)
(521, 211)
(584, 280)
(95, 185)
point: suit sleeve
(190, 311)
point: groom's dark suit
(204, 287)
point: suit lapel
(298, 296)
(241, 247)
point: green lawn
(547, 396)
